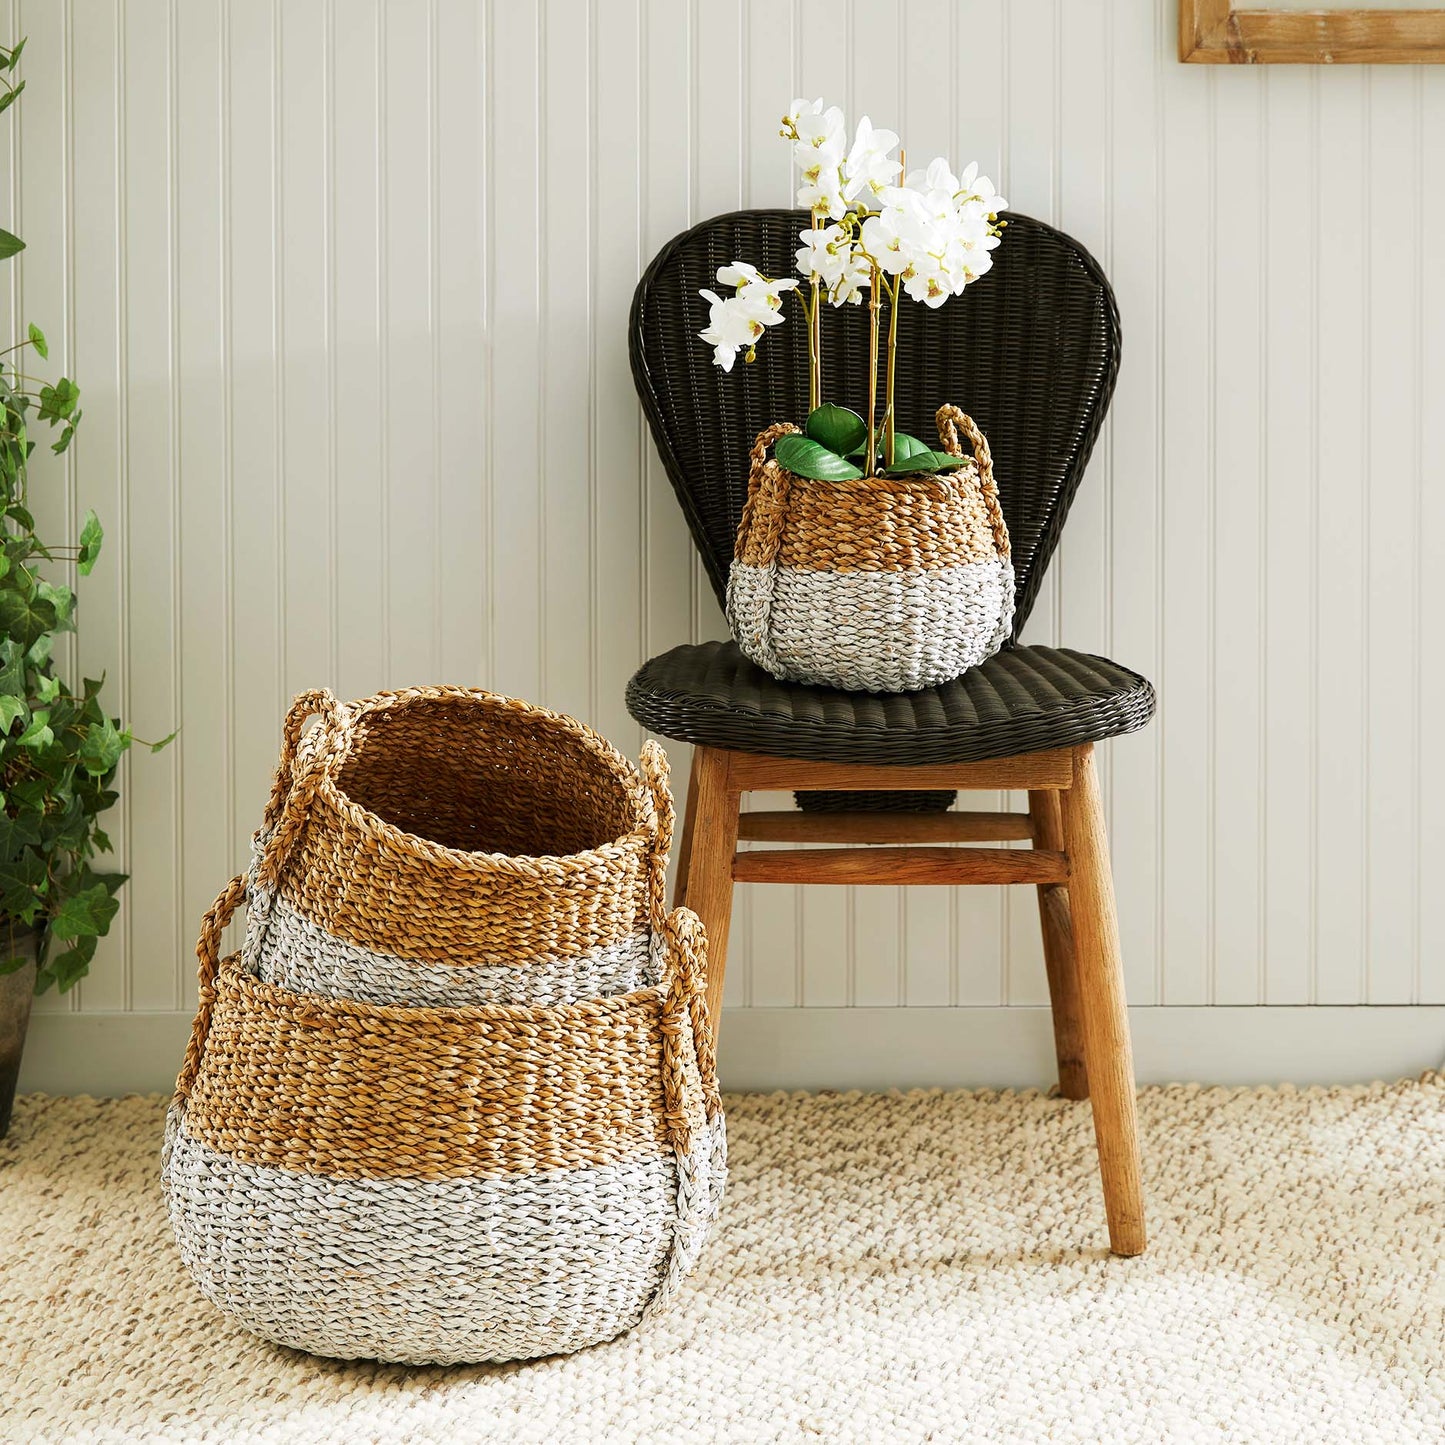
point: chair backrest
(1031, 351)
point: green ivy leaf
(26, 618)
(91, 536)
(14, 56)
(70, 967)
(836, 428)
(808, 458)
(58, 402)
(47, 689)
(17, 833)
(12, 965)
(11, 707)
(66, 437)
(10, 245)
(88, 911)
(165, 742)
(37, 340)
(38, 733)
(102, 747)
(20, 881)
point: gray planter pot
(16, 991)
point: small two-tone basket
(448, 1104)
(877, 584)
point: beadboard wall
(344, 283)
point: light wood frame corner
(1215, 32)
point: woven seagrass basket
(436, 1185)
(449, 846)
(880, 584)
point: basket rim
(640, 838)
(926, 483)
(234, 979)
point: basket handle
(655, 770)
(757, 475)
(293, 790)
(951, 420)
(686, 1020)
(208, 956)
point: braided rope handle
(951, 420)
(655, 770)
(208, 958)
(294, 787)
(686, 1033)
(757, 475)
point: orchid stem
(888, 417)
(815, 344)
(873, 286)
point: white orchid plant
(875, 230)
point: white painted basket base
(423, 1272)
(871, 631)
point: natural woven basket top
(471, 777)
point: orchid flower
(737, 322)
(869, 166)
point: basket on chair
(433, 1185)
(449, 846)
(878, 584)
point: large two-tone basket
(434, 1185)
(879, 584)
(450, 846)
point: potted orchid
(896, 574)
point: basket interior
(484, 778)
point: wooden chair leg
(1107, 1051)
(1057, 926)
(712, 839)
(684, 842)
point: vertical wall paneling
(99, 311)
(1344, 387)
(1426, 850)
(1236, 641)
(1290, 322)
(1392, 621)
(1140, 40)
(345, 288)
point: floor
(889, 1268)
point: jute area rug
(928, 1266)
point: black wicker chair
(1031, 351)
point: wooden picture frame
(1217, 32)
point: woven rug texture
(928, 1266)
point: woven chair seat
(1022, 700)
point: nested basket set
(455, 1098)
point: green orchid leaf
(925, 461)
(37, 340)
(91, 536)
(10, 245)
(836, 428)
(905, 446)
(809, 458)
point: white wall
(344, 284)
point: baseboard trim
(876, 1048)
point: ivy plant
(835, 441)
(59, 749)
